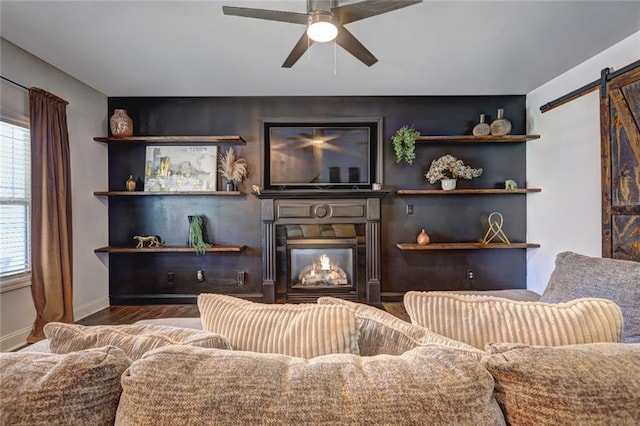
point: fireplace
(321, 243)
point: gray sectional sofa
(371, 368)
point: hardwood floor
(115, 315)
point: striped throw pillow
(304, 330)
(479, 320)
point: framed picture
(181, 168)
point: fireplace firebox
(322, 265)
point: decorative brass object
(152, 240)
(495, 221)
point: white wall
(86, 117)
(565, 163)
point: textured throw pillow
(382, 333)
(80, 388)
(134, 340)
(591, 384)
(304, 330)
(576, 276)
(185, 385)
(478, 320)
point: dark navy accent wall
(143, 278)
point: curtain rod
(13, 82)
(606, 75)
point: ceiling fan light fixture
(322, 26)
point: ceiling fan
(325, 21)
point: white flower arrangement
(449, 167)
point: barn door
(620, 122)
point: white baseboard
(90, 308)
(18, 338)
(14, 340)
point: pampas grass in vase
(232, 168)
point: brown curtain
(51, 243)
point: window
(15, 204)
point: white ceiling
(189, 48)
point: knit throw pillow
(478, 320)
(181, 385)
(590, 384)
(576, 276)
(80, 388)
(134, 340)
(304, 330)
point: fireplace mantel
(322, 194)
(359, 207)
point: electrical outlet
(241, 278)
(200, 275)
(409, 208)
(470, 274)
(170, 277)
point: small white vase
(448, 184)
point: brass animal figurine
(152, 240)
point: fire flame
(325, 262)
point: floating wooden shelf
(167, 249)
(151, 193)
(174, 140)
(465, 191)
(477, 139)
(465, 246)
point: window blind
(15, 199)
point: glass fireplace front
(322, 264)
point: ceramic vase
(500, 126)
(423, 238)
(482, 128)
(448, 184)
(131, 184)
(121, 124)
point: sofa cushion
(576, 276)
(80, 388)
(383, 333)
(478, 320)
(187, 385)
(134, 340)
(304, 330)
(591, 384)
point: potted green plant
(232, 168)
(197, 234)
(404, 144)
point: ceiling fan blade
(270, 15)
(351, 44)
(365, 9)
(298, 50)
